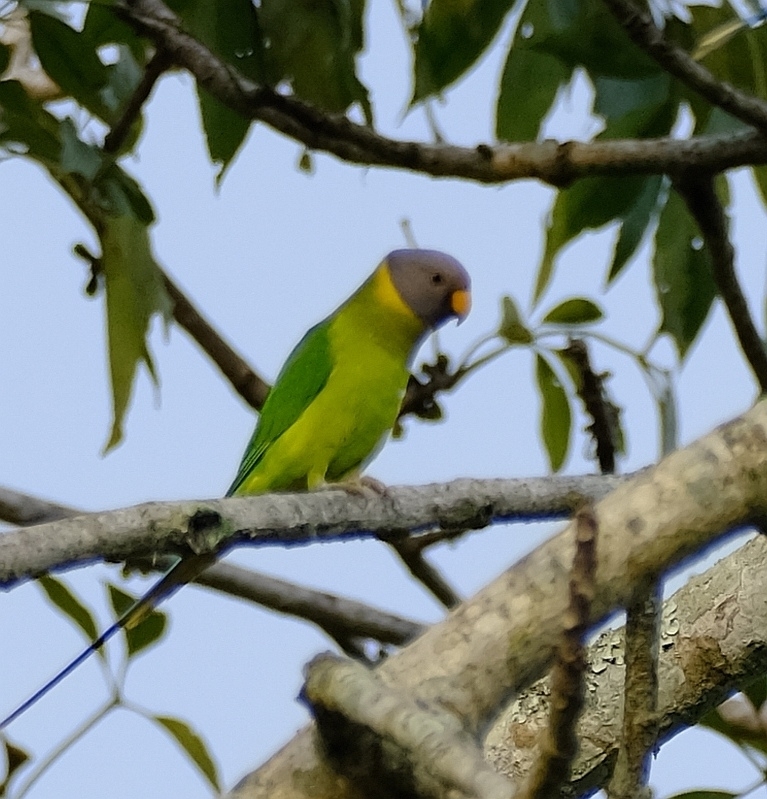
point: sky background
(265, 257)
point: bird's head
(432, 284)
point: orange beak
(460, 302)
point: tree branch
(647, 525)
(387, 744)
(712, 639)
(699, 193)
(337, 616)
(640, 27)
(115, 139)
(286, 519)
(549, 161)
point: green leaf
(451, 37)
(5, 57)
(589, 204)
(71, 61)
(25, 122)
(61, 596)
(193, 745)
(134, 293)
(103, 26)
(739, 734)
(684, 285)
(760, 178)
(77, 157)
(314, 45)
(575, 311)
(636, 220)
(530, 78)
(148, 631)
(231, 29)
(512, 328)
(15, 757)
(556, 418)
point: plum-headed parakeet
(340, 390)
(334, 402)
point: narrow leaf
(77, 157)
(556, 417)
(149, 630)
(684, 285)
(451, 37)
(134, 292)
(193, 745)
(575, 311)
(26, 123)
(512, 328)
(62, 597)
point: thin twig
(699, 193)
(640, 27)
(559, 744)
(604, 426)
(549, 161)
(158, 64)
(410, 552)
(640, 696)
(245, 381)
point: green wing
(302, 377)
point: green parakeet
(335, 400)
(340, 390)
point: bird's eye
(436, 278)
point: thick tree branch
(549, 161)
(699, 193)
(647, 526)
(387, 745)
(287, 519)
(712, 639)
(640, 27)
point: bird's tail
(184, 571)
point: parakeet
(334, 401)
(340, 390)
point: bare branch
(549, 161)
(387, 744)
(699, 192)
(114, 140)
(286, 519)
(410, 552)
(646, 526)
(343, 619)
(640, 27)
(559, 743)
(245, 381)
(604, 415)
(640, 696)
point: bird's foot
(359, 486)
